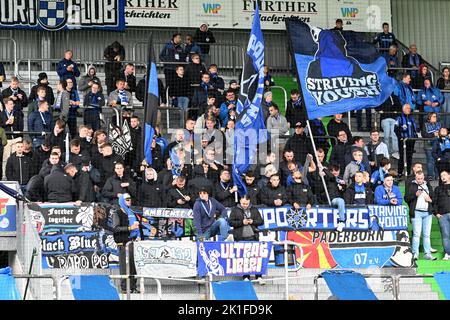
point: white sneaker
(396, 155)
(340, 226)
(433, 250)
(446, 257)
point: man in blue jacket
(93, 101)
(210, 217)
(68, 69)
(430, 97)
(172, 53)
(40, 121)
(405, 128)
(388, 194)
(405, 93)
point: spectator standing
(392, 61)
(195, 71)
(431, 131)
(181, 89)
(114, 55)
(59, 187)
(210, 218)
(88, 80)
(354, 166)
(203, 91)
(388, 115)
(385, 39)
(2, 74)
(335, 125)
(62, 101)
(376, 150)
(93, 101)
(19, 167)
(412, 60)
(318, 130)
(118, 184)
(299, 194)
(204, 37)
(295, 111)
(442, 210)
(68, 69)
(42, 81)
(191, 48)
(179, 196)
(339, 25)
(171, 55)
(245, 220)
(151, 194)
(9, 122)
(228, 109)
(130, 79)
(74, 105)
(40, 121)
(339, 151)
(216, 81)
(276, 124)
(224, 190)
(268, 80)
(388, 194)
(405, 93)
(441, 151)
(299, 143)
(443, 83)
(83, 180)
(19, 99)
(406, 127)
(420, 202)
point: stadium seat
(93, 287)
(8, 288)
(348, 285)
(234, 290)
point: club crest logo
(52, 14)
(334, 75)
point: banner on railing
(353, 249)
(54, 217)
(326, 218)
(362, 15)
(82, 250)
(169, 213)
(165, 258)
(233, 258)
(8, 209)
(53, 15)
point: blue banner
(8, 209)
(338, 71)
(233, 258)
(325, 218)
(54, 15)
(82, 250)
(250, 127)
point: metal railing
(284, 93)
(399, 277)
(371, 276)
(405, 163)
(14, 43)
(35, 276)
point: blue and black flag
(250, 128)
(338, 71)
(150, 103)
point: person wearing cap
(126, 227)
(210, 217)
(117, 184)
(299, 143)
(151, 194)
(204, 38)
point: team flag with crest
(151, 99)
(250, 127)
(338, 71)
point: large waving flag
(150, 103)
(338, 71)
(250, 122)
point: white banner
(357, 15)
(166, 258)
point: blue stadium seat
(234, 290)
(93, 288)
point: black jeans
(123, 267)
(409, 154)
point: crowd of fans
(193, 170)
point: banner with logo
(82, 250)
(325, 218)
(54, 217)
(8, 209)
(166, 258)
(364, 15)
(54, 15)
(233, 258)
(338, 71)
(353, 249)
(169, 213)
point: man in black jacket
(224, 190)
(107, 162)
(19, 167)
(295, 110)
(202, 179)
(40, 155)
(298, 193)
(339, 150)
(245, 220)
(299, 143)
(358, 193)
(59, 187)
(179, 196)
(117, 184)
(151, 194)
(335, 125)
(20, 100)
(204, 37)
(420, 201)
(114, 54)
(442, 210)
(253, 190)
(274, 195)
(83, 183)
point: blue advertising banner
(83, 250)
(8, 209)
(325, 218)
(54, 15)
(338, 71)
(233, 258)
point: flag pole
(319, 165)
